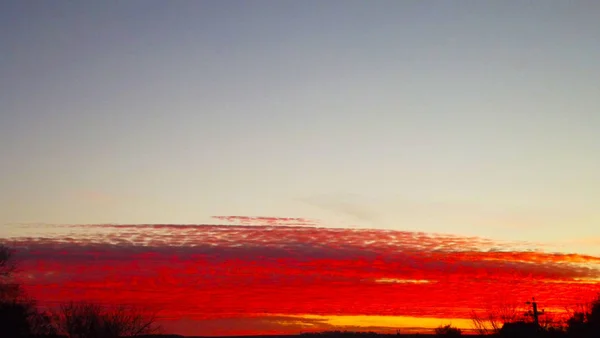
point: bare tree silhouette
(491, 320)
(8, 288)
(585, 320)
(19, 316)
(90, 320)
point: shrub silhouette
(520, 329)
(448, 331)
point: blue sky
(472, 118)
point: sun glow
(383, 323)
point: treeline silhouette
(20, 317)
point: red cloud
(204, 272)
(259, 220)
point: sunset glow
(277, 167)
(297, 278)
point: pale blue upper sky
(465, 117)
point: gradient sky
(472, 118)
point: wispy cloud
(261, 220)
(351, 205)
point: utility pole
(534, 312)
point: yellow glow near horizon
(391, 322)
(402, 281)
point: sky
(471, 120)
